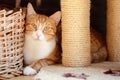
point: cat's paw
(29, 71)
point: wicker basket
(11, 43)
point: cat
(40, 48)
(43, 47)
(99, 51)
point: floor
(94, 71)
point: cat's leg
(36, 66)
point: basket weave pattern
(11, 43)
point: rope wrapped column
(75, 32)
(113, 29)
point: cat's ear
(56, 17)
(30, 9)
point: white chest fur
(34, 49)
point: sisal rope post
(75, 32)
(113, 29)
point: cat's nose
(38, 36)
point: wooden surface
(22, 78)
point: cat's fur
(39, 52)
(40, 48)
(98, 46)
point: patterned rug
(96, 71)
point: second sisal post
(113, 29)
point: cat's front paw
(29, 71)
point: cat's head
(41, 27)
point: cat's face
(41, 27)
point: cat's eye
(34, 26)
(46, 28)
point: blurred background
(48, 7)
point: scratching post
(113, 29)
(75, 32)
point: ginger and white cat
(40, 48)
